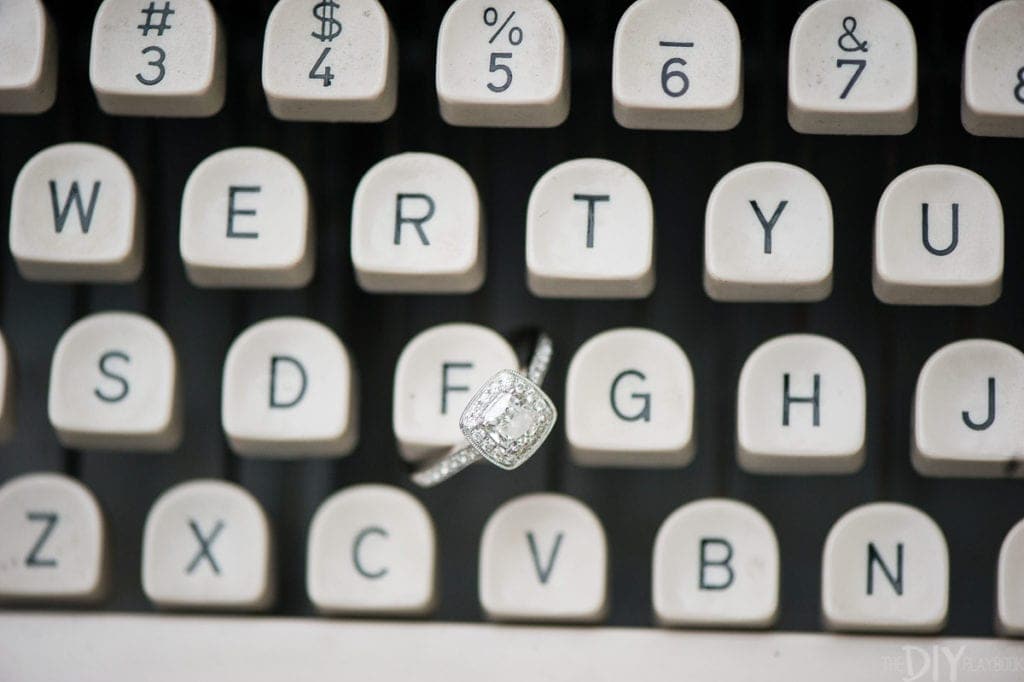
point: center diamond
(510, 420)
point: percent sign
(515, 38)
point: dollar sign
(330, 28)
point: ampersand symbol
(848, 42)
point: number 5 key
(503, 63)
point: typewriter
(512, 340)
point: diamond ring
(505, 422)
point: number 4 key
(677, 65)
(330, 60)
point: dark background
(680, 168)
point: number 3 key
(157, 58)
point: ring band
(505, 422)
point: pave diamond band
(505, 422)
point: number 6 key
(677, 65)
(157, 58)
(503, 63)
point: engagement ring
(505, 422)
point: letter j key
(969, 411)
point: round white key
(417, 227)
(52, 541)
(629, 401)
(75, 217)
(993, 84)
(768, 236)
(372, 550)
(716, 564)
(885, 569)
(114, 385)
(503, 63)
(801, 408)
(677, 65)
(590, 232)
(158, 58)
(544, 557)
(1010, 584)
(939, 239)
(853, 69)
(437, 373)
(289, 391)
(330, 60)
(969, 411)
(8, 416)
(246, 221)
(28, 58)
(207, 544)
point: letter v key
(544, 572)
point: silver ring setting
(505, 422)
(508, 419)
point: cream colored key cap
(768, 236)
(503, 63)
(28, 58)
(246, 221)
(853, 69)
(677, 65)
(939, 239)
(52, 541)
(158, 58)
(417, 227)
(629, 401)
(801, 408)
(544, 557)
(716, 564)
(1010, 583)
(207, 544)
(114, 385)
(8, 414)
(290, 390)
(437, 373)
(969, 411)
(993, 82)
(885, 569)
(75, 217)
(330, 60)
(590, 232)
(372, 550)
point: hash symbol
(164, 13)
